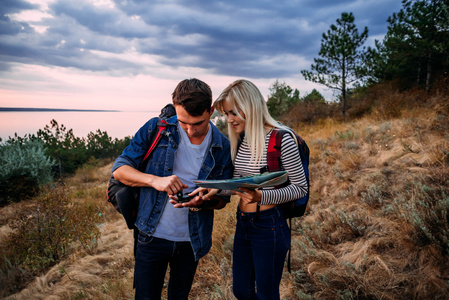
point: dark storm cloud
(256, 39)
(104, 21)
(233, 35)
(10, 27)
(14, 6)
(67, 42)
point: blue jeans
(152, 258)
(260, 246)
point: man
(192, 148)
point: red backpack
(295, 208)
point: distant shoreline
(23, 109)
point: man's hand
(195, 201)
(201, 198)
(171, 184)
(132, 177)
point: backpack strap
(274, 151)
(274, 162)
(162, 124)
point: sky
(130, 54)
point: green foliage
(100, 145)
(340, 63)
(347, 135)
(68, 150)
(416, 45)
(281, 98)
(314, 97)
(25, 167)
(29, 162)
(71, 152)
(46, 235)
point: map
(250, 182)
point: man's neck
(199, 139)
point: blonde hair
(242, 95)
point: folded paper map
(249, 182)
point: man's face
(195, 127)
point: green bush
(100, 145)
(25, 167)
(71, 152)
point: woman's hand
(206, 193)
(249, 196)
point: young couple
(179, 234)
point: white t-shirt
(174, 223)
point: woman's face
(232, 118)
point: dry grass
(377, 225)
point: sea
(117, 124)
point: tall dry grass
(377, 224)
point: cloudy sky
(130, 54)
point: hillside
(377, 226)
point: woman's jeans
(152, 258)
(260, 246)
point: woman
(262, 237)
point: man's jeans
(260, 246)
(152, 258)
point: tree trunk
(343, 88)
(419, 72)
(343, 97)
(429, 71)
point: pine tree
(417, 42)
(341, 60)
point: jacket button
(168, 169)
(175, 146)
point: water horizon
(118, 124)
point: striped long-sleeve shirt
(291, 162)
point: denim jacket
(216, 165)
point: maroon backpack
(295, 208)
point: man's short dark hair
(194, 95)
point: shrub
(71, 152)
(55, 224)
(25, 167)
(45, 235)
(427, 210)
(356, 222)
(375, 195)
(100, 145)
